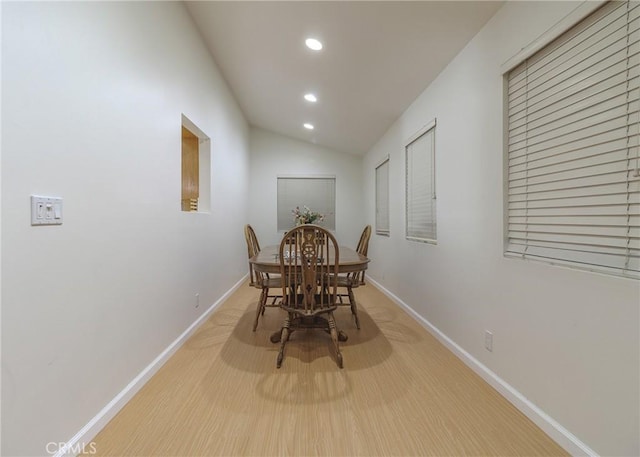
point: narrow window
(421, 186)
(382, 198)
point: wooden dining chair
(259, 280)
(309, 259)
(353, 280)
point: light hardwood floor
(401, 393)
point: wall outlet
(197, 301)
(488, 340)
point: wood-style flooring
(401, 393)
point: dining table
(268, 261)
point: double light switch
(46, 210)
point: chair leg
(260, 310)
(284, 337)
(334, 337)
(354, 307)
(274, 299)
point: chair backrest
(309, 258)
(357, 278)
(363, 244)
(253, 247)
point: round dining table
(268, 260)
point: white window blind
(421, 189)
(573, 129)
(382, 198)
(318, 193)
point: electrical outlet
(197, 301)
(488, 340)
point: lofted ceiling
(377, 58)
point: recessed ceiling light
(310, 97)
(314, 44)
(308, 126)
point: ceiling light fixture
(310, 98)
(314, 44)
(308, 126)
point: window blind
(573, 150)
(382, 198)
(420, 187)
(319, 194)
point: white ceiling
(377, 58)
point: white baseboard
(550, 426)
(81, 442)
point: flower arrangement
(306, 216)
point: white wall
(567, 340)
(92, 100)
(273, 155)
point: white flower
(306, 216)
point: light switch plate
(46, 210)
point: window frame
(589, 256)
(382, 231)
(286, 212)
(425, 130)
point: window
(317, 193)
(573, 187)
(382, 198)
(195, 164)
(421, 185)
